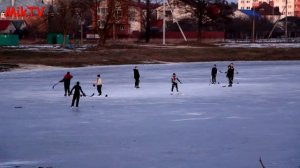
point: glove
(94, 85)
(84, 94)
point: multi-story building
(297, 8)
(125, 20)
(292, 7)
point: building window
(122, 27)
(103, 11)
(248, 7)
(101, 24)
(132, 14)
(101, 3)
(118, 15)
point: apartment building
(126, 19)
(292, 7)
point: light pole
(164, 22)
(81, 31)
(286, 25)
(253, 24)
(81, 22)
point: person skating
(136, 76)
(174, 81)
(98, 83)
(76, 96)
(214, 72)
(230, 74)
(67, 80)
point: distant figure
(67, 80)
(98, 83)
(230, 74)
(136, 76)
(174, 81)
(214, 72)
(76, 95)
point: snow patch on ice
(192, 119)
(16, 163)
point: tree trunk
(148, 26)
(199, 33)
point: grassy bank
(143, 55)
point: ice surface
(210, 126)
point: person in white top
(99, 84)
(174, 80)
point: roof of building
(4, 24)
(18, 23)
(251, 13)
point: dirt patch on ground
(7, 67)
(11, 58)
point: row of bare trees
(67, 15)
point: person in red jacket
(67, 80)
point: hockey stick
(55, 85)
(87, 95)
(261, 163)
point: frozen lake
(210, 126)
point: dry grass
(135, 55)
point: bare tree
(207, 11)
(199, 8)
(109, 16)
(64, 17)
(148, 15)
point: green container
(57, 38)
(9, 40)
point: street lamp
(253, 24)
(81, 31)
(81, 22)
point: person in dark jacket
(76, 96)
(136, 76)
(214, 72)
(174, 81)
(230, 74)
(67, 80)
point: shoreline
(14, 59)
